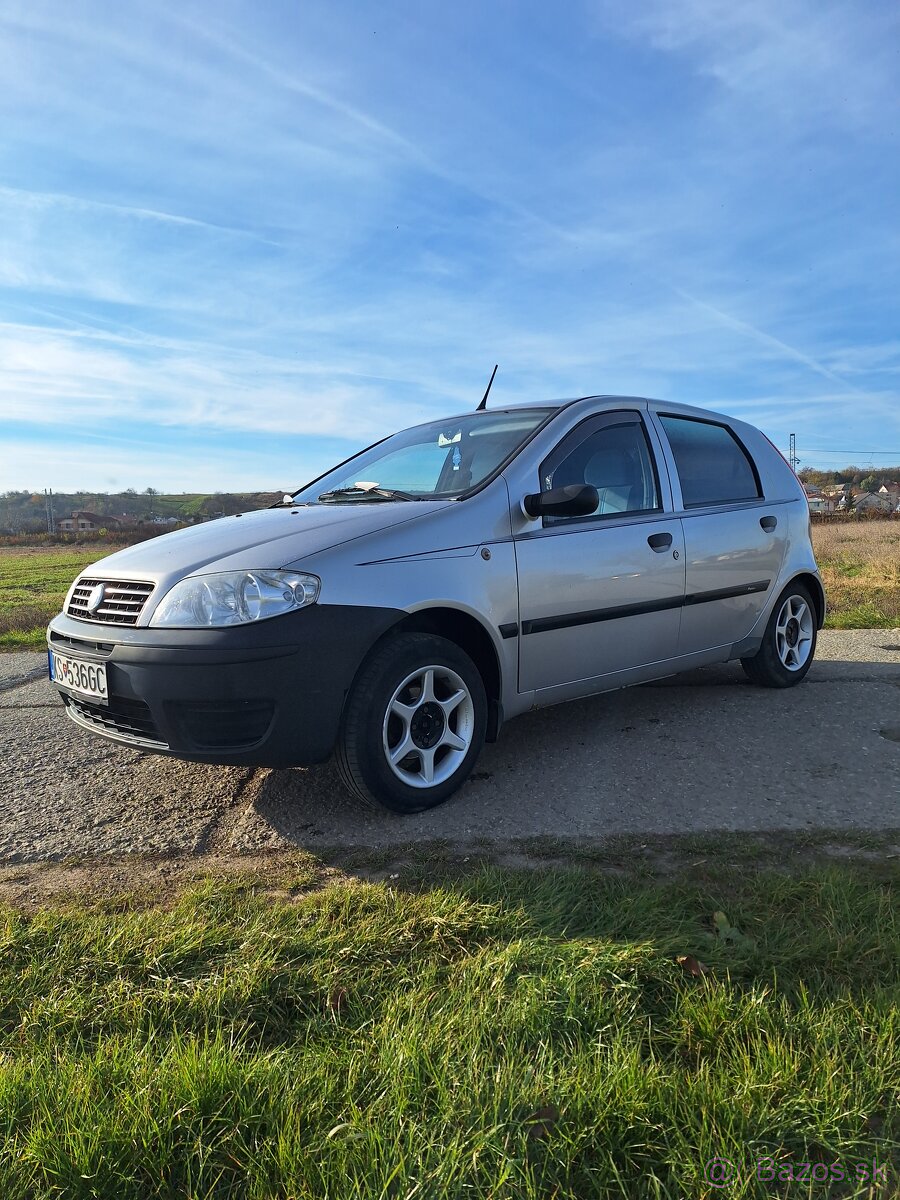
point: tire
(416, 691)
(789, 642)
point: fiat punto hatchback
(398, 609)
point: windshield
(429, 462)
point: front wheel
(789, 642)
(413, 725)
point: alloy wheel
(428, 726)
(794, 630)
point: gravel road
(699, 753)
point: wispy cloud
(292, 229)
(45, 200)
(382, 135)
(798, 59)
(53, 378)
(774, 344)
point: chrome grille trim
(123, 601)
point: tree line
(863, 479)
(26, 512)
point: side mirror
(574, 500)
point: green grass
(508, 1034)
(33, 586)
(861, 616)
(186, 505)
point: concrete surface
(698, 753)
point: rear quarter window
(713, 466)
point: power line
(862, 453)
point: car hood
(272, 538)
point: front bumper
(266, 695)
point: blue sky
(238, 240)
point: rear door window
(713, 466)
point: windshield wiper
(377, 493)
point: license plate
(79, 675)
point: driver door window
(600, 596)
(612, 454)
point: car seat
(617, 478)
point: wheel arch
(814, 585)
(471, 636)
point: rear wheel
(413, 725)
(789, 642)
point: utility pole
(49, 505)
(792, 454)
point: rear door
(602, 593)
(734, 540)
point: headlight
(234, 598)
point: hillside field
(860, 566)
(26, 512)
(33, 585)
(859, 560)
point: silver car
(398, 609)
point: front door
(602, 593)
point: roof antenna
(483, 405)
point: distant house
(86, 522)
(820, 504)
(817, 500)
(873, 502)
(891, 490)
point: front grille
(122, 602)
(129, 719)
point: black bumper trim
(128, 721)
(300, 672)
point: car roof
(606, 401)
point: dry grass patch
(860, 565)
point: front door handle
(768, 523)
(659, 541)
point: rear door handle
(768, 523)
(659, 541)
